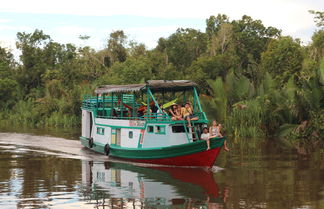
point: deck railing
(102, 109)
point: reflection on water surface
(52, 172)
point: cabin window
(150, 129)
(178, 129)
(100, 131)
(130, 134)
(160, 129)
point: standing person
(205, 136)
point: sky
(144, 21)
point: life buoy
(90, 142)
(107, 149)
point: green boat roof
(154, 85)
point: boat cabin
(137, 115)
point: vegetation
(259, 83)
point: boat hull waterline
(193, 154)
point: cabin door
(118, 136)
(115, 136)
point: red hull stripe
(201, 159)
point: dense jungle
(254, 80)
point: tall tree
(183, 47)
(35, 60)
(283, 58)
(117, 46)
(251, 38)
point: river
(45, 169)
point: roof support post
(196, 100)
(103, 105)
(155, 102)
(133, 110)
(112, 104)
(97, 103)
(121, 105)
(148, 112)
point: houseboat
(131, 122)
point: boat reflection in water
(116, 185)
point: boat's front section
(118, 122)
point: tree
(251, 38)
(8, 85)
(319, 17)
(213, 24)
(117, 46)
(282, 58)
(35, 61)
(183, 47)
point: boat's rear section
(194, 154)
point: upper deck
(148, 102)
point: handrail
(199, 105)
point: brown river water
(50, 169)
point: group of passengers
(215, 130)
(180, 112)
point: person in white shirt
(205, 136)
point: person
(175, 113)
(219, 128)
(187, 113)
(205, 136)
(153, 107)
(141, 111)
(216, 131)
(213, 129)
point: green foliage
(183, 47)
(282, 58)
(253, 80)
(319, 17)
(246, 119)
(216, 106)
(116, 46)
(8, 89)
(317, 46)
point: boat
(129, 122)
(111, 183)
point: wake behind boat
(129, 122)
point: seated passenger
(216, 131)
(187, 113)
(221, 135)
(153, 107)
(213, 129)
(205, 136)
(175, 113)
(141, 111)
